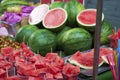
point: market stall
(57, 40)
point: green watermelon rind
(59, 27)
(57, 4)
(42, 41)
(87, 25)
(24, 33)
(71, 43)
(60, 36)
(106, 31)
(73, 7)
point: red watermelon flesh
(70, 71)
(89, 19)
(84, 60)
(14, 78)
(106, 51)
(7, 51)
(5, 65)
(54, 60)
(2, 73)
(55, 18)
(36, 78)
(49, 76)
(1, 58)
(37, 72)
(58, 76)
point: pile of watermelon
(66, 27)
(23, 64)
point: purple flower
(25, 14)
(14, 18)
(5, 16)
(27, 9)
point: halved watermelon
(38, 13)
(84, 60)
(87, 18)
(55, 18)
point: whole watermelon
(57, 4)
(24, 33)
(106, 31)
(76, 39)
(42, 41)
(60, 37)
(73, 7)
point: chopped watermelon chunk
(58, 76)
(70, 70)
(36, 78)
(14, 78)
(7, 51)
(24, 68)
(37, 72)
(5, 65)
(2, 58)
(2, 73)
(49, 76)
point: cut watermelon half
(84, 60)
(87, 17)
(38, 13)
(55, 18)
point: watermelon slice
(38, 13)
(55, 18)
(84, 60)
(106, 52)
(87, 18)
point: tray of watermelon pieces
(23, 64)
(85, 61)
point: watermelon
(73, 7)
(104, 52)
(42, 41)
(87, 19)
(70, 72)
(49, 76)
(55, 19)
(57, 4)
(106, 31)
(24, 33)
(60, 37)
(6, 51)
(84, 60)
(76, 39)
(38, 13)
